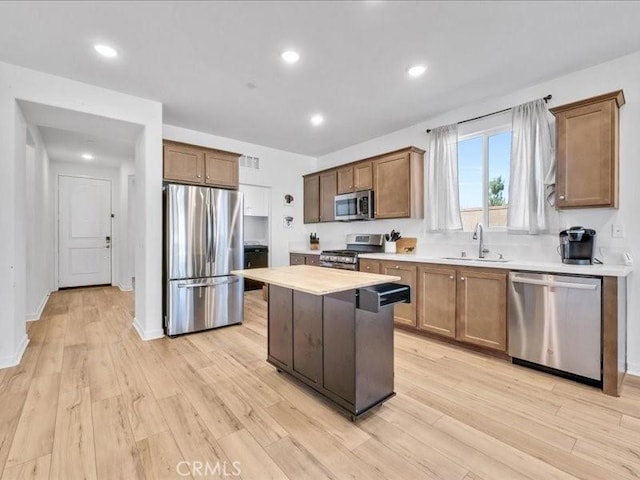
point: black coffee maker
(576, 245)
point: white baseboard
(147, 335)
(633, 369)
(30, 317)
(124, 288)
(13, 360)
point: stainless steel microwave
(354, 206)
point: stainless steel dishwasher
(556, 321)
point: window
(483, 176)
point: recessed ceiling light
(417, 70)
(87, 156)
(317, 119)
(105, 50)
(290, 56)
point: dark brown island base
(333, 331)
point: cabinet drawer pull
(199, 176)
(462, 278)
(561, 197)
(397, 266)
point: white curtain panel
(443, 203)
(533, 169)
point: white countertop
(525, 265)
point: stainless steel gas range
(347, 259)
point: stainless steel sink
(472, 259)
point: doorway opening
(79, 186)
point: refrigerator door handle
(208, 284)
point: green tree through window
(496, 188)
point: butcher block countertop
(315, 280)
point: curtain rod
(546, 99)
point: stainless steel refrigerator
(203, 239)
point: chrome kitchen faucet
(478, 234)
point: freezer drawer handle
(215, 284)
(578, 286)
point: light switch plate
(617, 231)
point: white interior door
(84, 231)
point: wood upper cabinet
(370, 266)
(345, 180)
(221, 169)
(183, 163)
(328, 191)
(404, 313)
(437, 300)
(482, 308)
(312, 199)
(363, 176)
(397, 179)
(587, 141)
(398, 184)
(199, 165)
(355, 178)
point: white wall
(622, 73)
(279, 170)
(119, 206)
(124, 242)
(39, 223)
(18, 83)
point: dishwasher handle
(546, 283)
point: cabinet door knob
(199, 176)
(561, 197)
(462, 278)
(397, 266)
(208, 177)
(450, 277)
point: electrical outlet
(617, 231)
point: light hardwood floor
(91, 400)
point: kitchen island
(333, 330)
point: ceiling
(199, 58)
(68, 134)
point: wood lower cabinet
(302, 259)
(437, 296)
(465, 304)
(221, 169)
(192, 164)
(370, 266)
(482, 308)
(312, 260)
(587, 141)
(403, 313)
